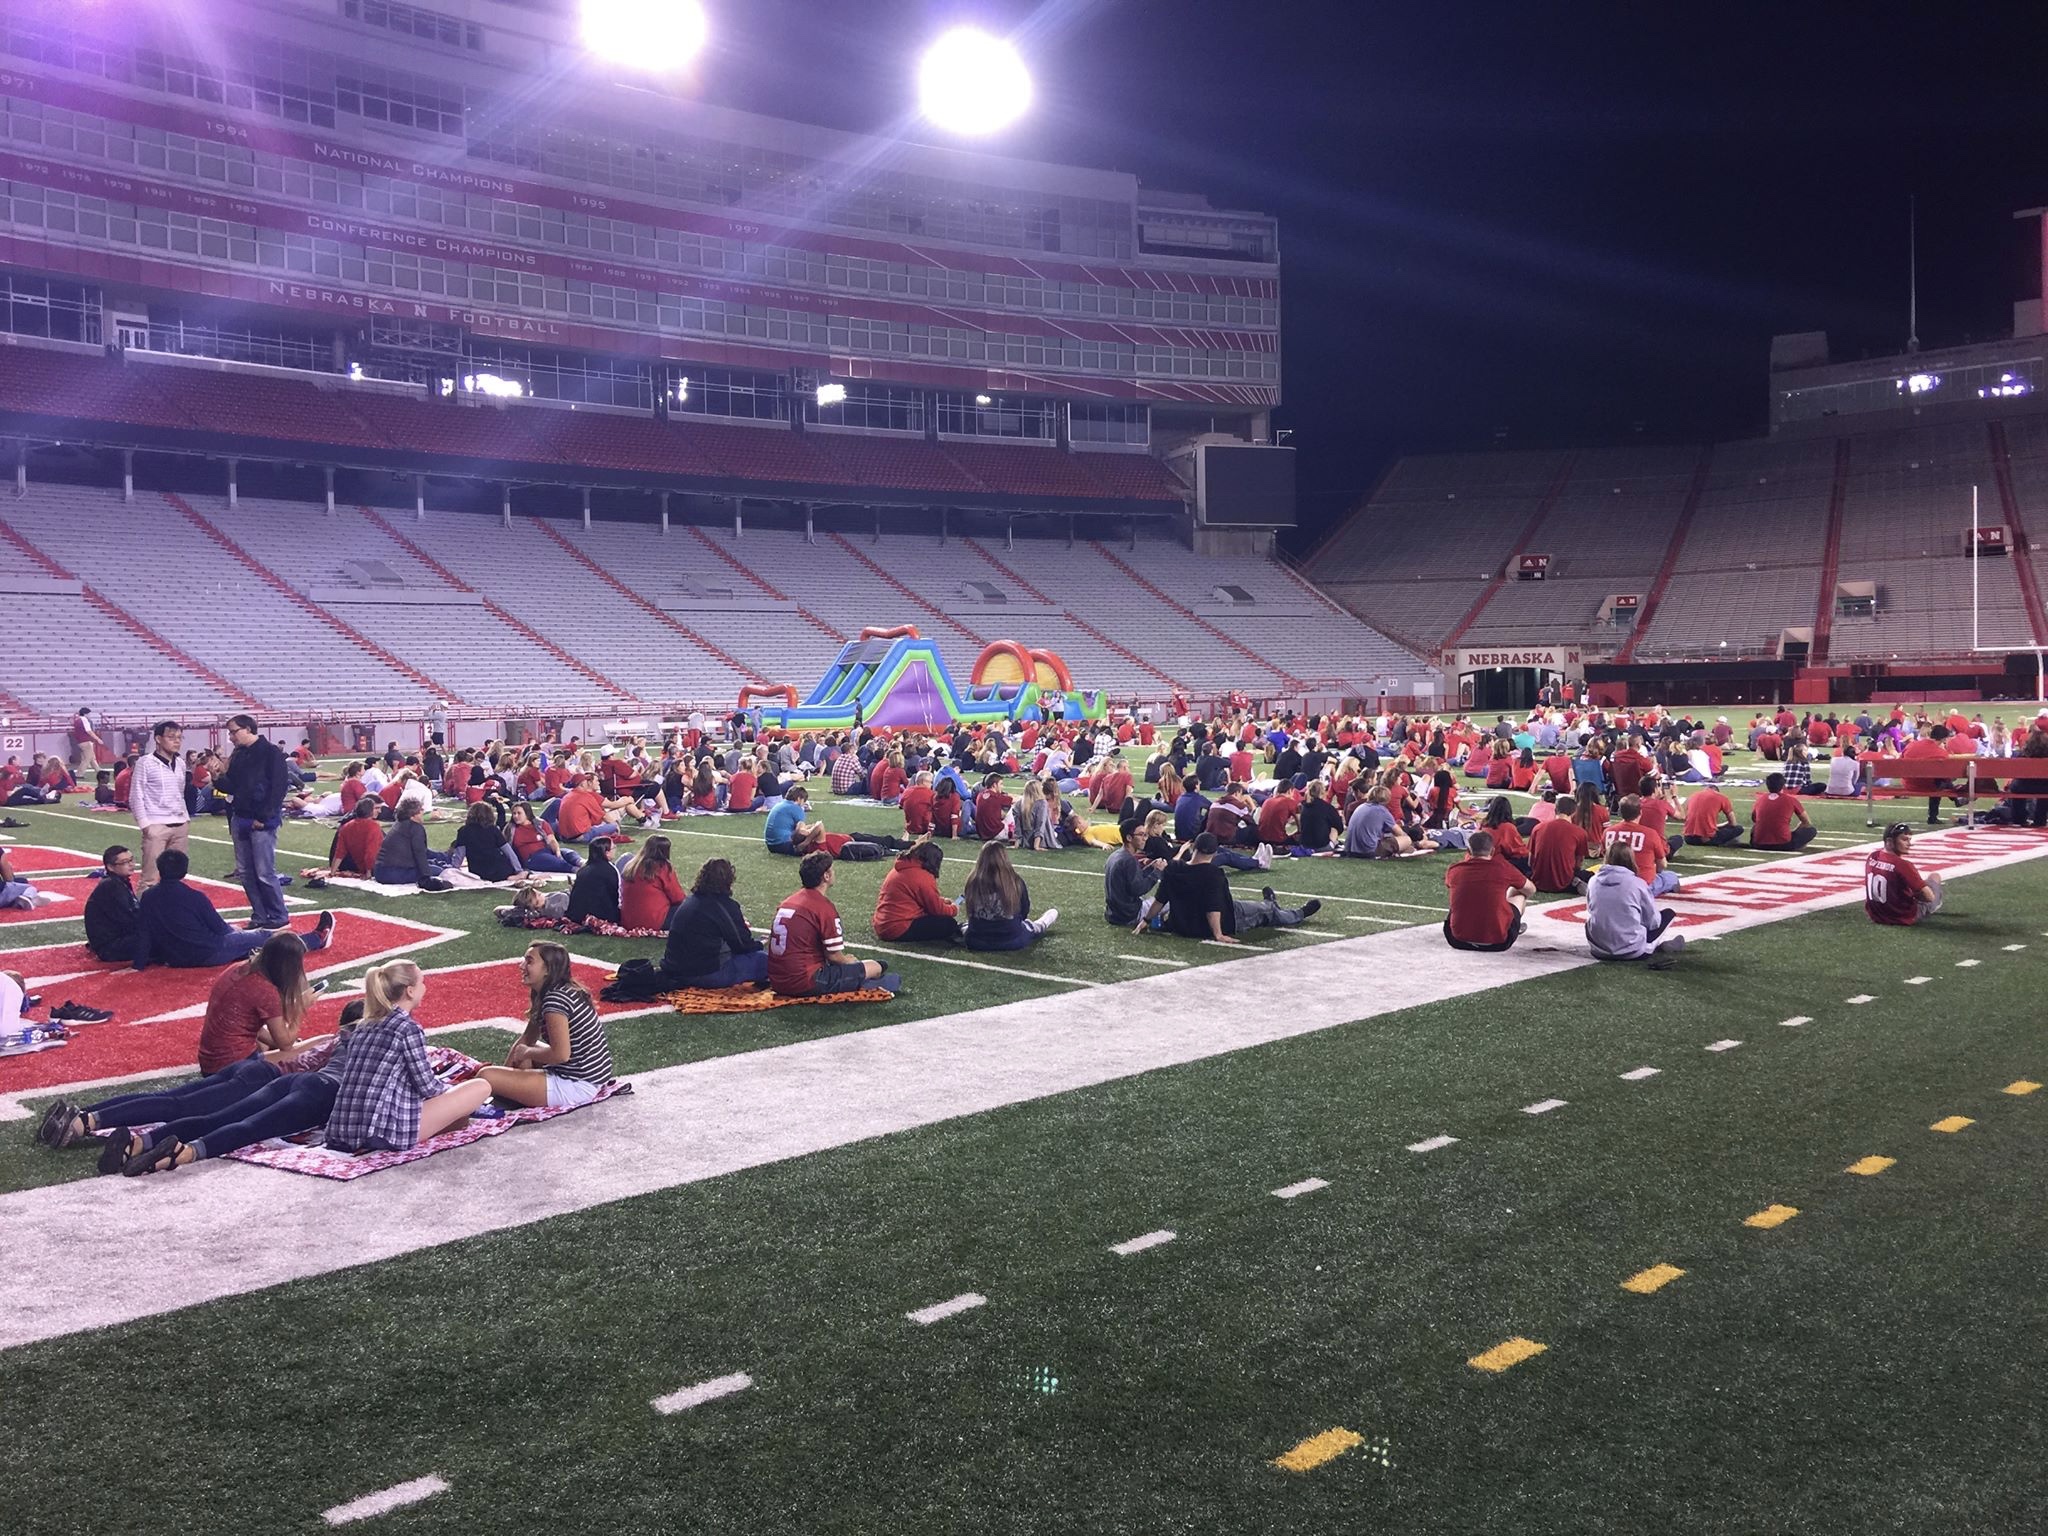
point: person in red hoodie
(909, 905)
(1112, 786)
(1625, 769)
(648, 889)
(917, 806)
(991, 805)
(1930, 744)
(886, 779)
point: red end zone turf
(36, 858)
(124, 1046)
(74, 889)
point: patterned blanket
(756, 999)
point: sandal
(63, 1125)
(115, 1150)
(155, 1157)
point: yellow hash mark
(1870, 1167)
(2022, 1086)
(1771, 1216)
(1511, 1353)
(1317, 1449)
(1655, 1278)
(1952, 1124)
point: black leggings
(929, 926)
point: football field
(1337, 1232)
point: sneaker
(324, 928)
(1264, 855)
(1052, 915)
(68, 1012)
(1266, 894)
(488, 1111)
(890, 982)
(1310, 908)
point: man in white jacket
(156, 794)
(1622, 918)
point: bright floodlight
(972, 83)
(831, 394)
(653, 35)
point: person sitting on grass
(111, 914)
(1623, 921)
(1320, 826)
(788, 832)
(595, 892)
(1557, 852)
(15, 891)
(1507, 837)
(355, 845)
(1195, 892)
(404, 857)
(1710, 819)
(649, 892)
(991, 808)
(534, 844)
(998, 905)
(1488, 897)
(1646, 846)
(909, 905)
(949, 808)
(1031, 823)
(1772, 816)
(388, 1098)
(1895, 893)
(917, 805)
(807, 946)
(709, 942)
(259, 1005)
(564, 1057)
(482, 846)
(176, 925)
(1128, 879)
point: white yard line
(1543, 1106)
(703, 1392)
(1636, 1075)
(1139, 1244)
(1795, 1021)
(1296, 1191)
(1724, 1045)
(1155, 960)
(939, 1311)
(1432, 1144)
(370, 1505)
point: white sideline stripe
(1861, 997)
(1918, 981)
(1963, 965)
(1794, 1022)
(231, 1228)
(703, 1392)
(1367, 917)
(1140, 1244)
(2011, 947)
(1155, 960)
(1434, 1143)
(1724, 1045)
(938, 1311)
(1225, 944)
(1305, 1187)
(1639, 1074)
(383, 1502)
(1543, 1106)
(977, 965)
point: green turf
(1862, 1368)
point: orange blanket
(756, 999)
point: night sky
(1572, 223)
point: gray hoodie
(1620, 913)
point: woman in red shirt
(1525, 770)
(909, 905)
(533, 840)
(257, 1005)
(648, 888)
(1442, 801)
(1508, 841)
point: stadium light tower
(652, 35)
(972, 83)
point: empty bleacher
(1923, 609)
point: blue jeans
(1230, 858)
(241, 944)
(293, 1102)
(1665, 883)
(602, 829)
(17, 893)
(256, 857)
(734, 971)
(202, 1096)
(541, 862)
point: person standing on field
(256, 781)
(156, 794)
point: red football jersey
(805, 930)
(1891, 889)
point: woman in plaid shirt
(389, 1098)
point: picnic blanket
(459, 879)
(756, 999)
(312, 1156)
(610, 930)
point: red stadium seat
(74, 386)
(251, 405)
(458, 431)
(1022, 471)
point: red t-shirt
(1480, 913)
(886, 781)
(990, 807)
(739, 791)
(526, 840)
(1559, 767)
(1241, 766)
(580, 811)
(1274, 816)
(917, 809)
(357, 845)
(646, 903)
(390, 792)
(1818, 733)
(945, 814)
(1557, 850)
(1626, 769)
(555, 779)
(1500, 773)
(1703, 812)
(1598, 831)
(1772, 817)
(805, 931)
(1655, 813)
(1891, 889)
(1112, 789)
(1923, 747)
(235, 1009)
(351, 792)
(1507, 841)
(1646, 843)
(121, 782)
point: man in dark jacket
(176, 924)
(256, 781)
(110, 911)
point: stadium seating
(276, 406)
(494, 434)
(605, 440)
(1133, 476)
(1021, 471)
(903, 464)
(75, 386)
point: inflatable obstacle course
(894, 677)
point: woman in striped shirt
(563, 1058)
